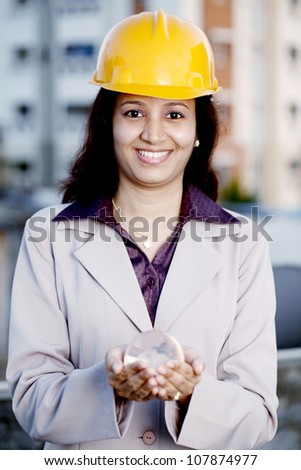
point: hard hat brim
(158, 91)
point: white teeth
(144, 153)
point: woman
(139, 244)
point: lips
(153, 157)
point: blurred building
(282, 158)
(257, 45)
(48, 53)
(236, 31)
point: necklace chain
(147, 243)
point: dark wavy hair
(95, 169)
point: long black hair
(95, 169)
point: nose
(153, 131)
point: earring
(197, 143)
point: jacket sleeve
(52, 400)
(235, 406)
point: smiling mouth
(153, 155)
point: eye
(133, 113)
(174, 115)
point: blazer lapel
(194, 265)
(106, 259)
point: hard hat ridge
(160, 24)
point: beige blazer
(75, 295)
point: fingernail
(160, 380)
(199, 368)
(152, 382)
(170, 364)
(161, 370)
(116, 367)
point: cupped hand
(133, 381)
(172, 381)
(177, 380)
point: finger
(169, 384)
(198, 365)
(193, 358)
(139, 387)
(114, 359)
(131, 379)
(177, 380)
(174, 370)
(171, 393)
(147, 391)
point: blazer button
(149, 437)
(151, 282)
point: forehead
(153, 102)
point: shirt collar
(195, 205)
(198, 206)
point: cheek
(118, 133)
(120, 141)
(120, 153)
(186, 138)
(123, 140)
(123, 134)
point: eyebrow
(141, 103)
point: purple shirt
(151, 275)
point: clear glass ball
(155, 347)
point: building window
(77, 57)
(294, 6)
(139, 6)
(222, 54)
(293, 53)
(225, 113)
(21, 3)
(23, 110)
(220, 3)
(22, 55)
(295, 165)
(77, 110)
(293, 111)
(77, 6)
(80, 50)
(22, 7)
(73, 116)
(24, 116)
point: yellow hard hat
(156, 54)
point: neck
(149, 215)
(149, 203)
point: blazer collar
(194, 265)
(195, 205)
(105, 257)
